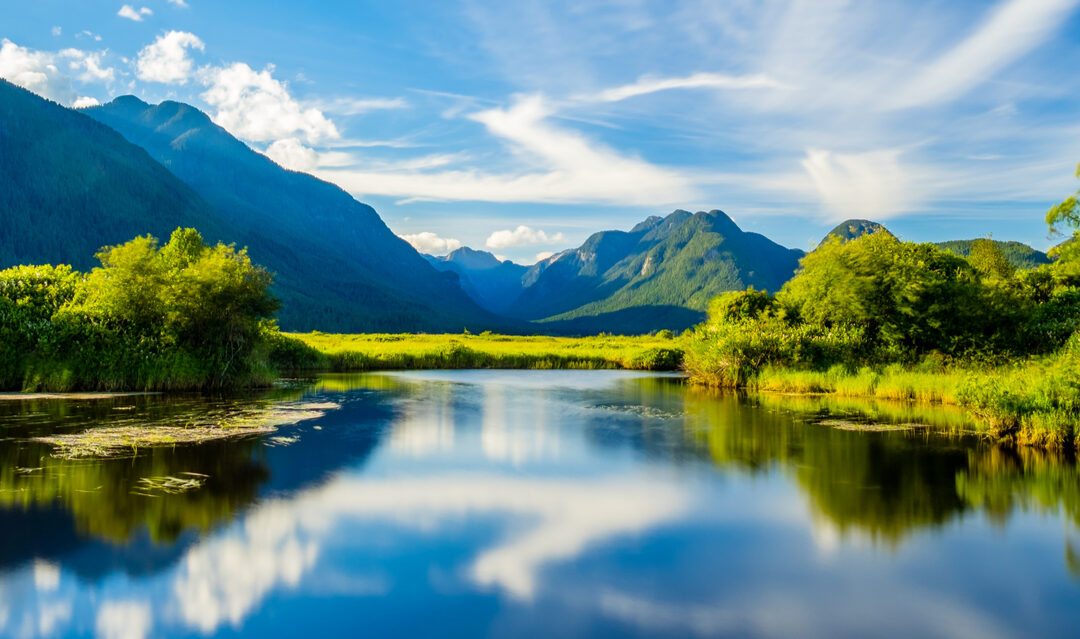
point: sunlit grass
(364, 352)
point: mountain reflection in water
(535, 503)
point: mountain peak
(471, 258)
(855, 228)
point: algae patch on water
(127, 439)
(872, 427)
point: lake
(534, 504)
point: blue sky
(522, 127)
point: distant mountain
(660, 274)
(1021, 256)
(851, 229)
(338, 267)
(70, 185)
(492, 283)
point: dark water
(534, 504)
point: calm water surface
(534, 504)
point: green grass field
(386, 351)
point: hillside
(851, 229)
(492, 283)
(338, 267)
(660, 274)
(71, 185)
(1020, 255)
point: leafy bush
(185, 315)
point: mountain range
(89, 178)
(73, 181)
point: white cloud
(57, 31)
(84, 102)
(521, 236)
(180, 3)
(85, 33)
(566, 167)
(292, 154)
(872, 185)
(1013, 28)
(124, 620)
(35, 71)
(46, 575)
(255, 106)
(432, 244)
(646, 85)
(90, 65)
(166, 60)
(543, 255)
(129, 12)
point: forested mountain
(1020, 255)
(660, 274)
(852, 229)
(493, 283)
(338, 267)
(70, 185)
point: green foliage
(989, 261)
(907, 298)
(1067, 212)
(1020, 256)
(874, 316)
(29, 297)
(186, 315)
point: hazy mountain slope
(1020, 255)
(70, 185)
(667, 268)
(492, 283)
(339, 268)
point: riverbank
(1030, 402)
(297, 352)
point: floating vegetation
(169, 484)
(648, 412)
(128, 438)
(869, 427)
(281, 440)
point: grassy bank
(1031, 402)
(342, 353)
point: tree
(908, 298)
(210, 302)
(989, 260)
(1067, 212)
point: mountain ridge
(338, 266)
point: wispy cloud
(1012, 29)
(562, 166)
(646, 85)
(357, 106)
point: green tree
(989, 260)
(908, 298)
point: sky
(523, 127)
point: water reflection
(542, 503)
